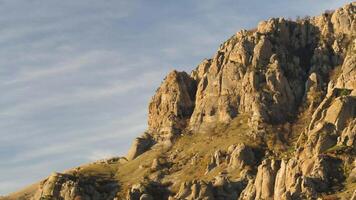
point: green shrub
(344, 92)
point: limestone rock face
(169, 112)
(263, 185)
(172, 105)
(288, 181)
(348, 135)
(201, 70)
(343, 20)
(265, 179)
(250, 70)
(267, 74)
(271, 116)
(347, 78)
(282, 95)
(329, 121)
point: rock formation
(169, 112)
(270, 116)
(68, 187)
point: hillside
(270, 116)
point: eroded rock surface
(288, 88)
(69, 187)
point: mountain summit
(271, 116)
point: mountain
(271, 116)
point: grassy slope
(180, 158)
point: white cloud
(81, 95)
(60, 68)
(83, 140)
(87, 57)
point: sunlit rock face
(272, 116)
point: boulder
(241, 156)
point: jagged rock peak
(272, 115)
(270, 74)
(172, 105)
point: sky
(76, 76)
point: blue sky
(76, 76)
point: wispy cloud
(76, 76)
(81, 94)
(60, 68)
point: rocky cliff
(270, 116)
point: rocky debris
(68, 187)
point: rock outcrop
(147, 190)
(220, 188)
(171, 106)
(140, 145)
(272, 116)
(70, 187)
(236, 157)
(169, 112)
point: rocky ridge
(270, 116)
